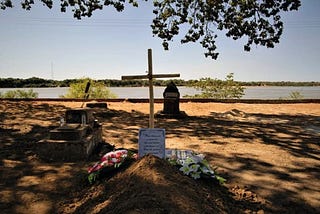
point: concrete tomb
(76, 138)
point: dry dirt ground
(269, 154)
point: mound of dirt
(152, 185)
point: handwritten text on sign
(152, 141)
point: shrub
(97, 90)
(19, 94)
(294, 95)
(218, 89)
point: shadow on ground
(275, 156)
(288, 183)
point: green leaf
(220, 179)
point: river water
(265, 92)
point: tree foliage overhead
(257, 20)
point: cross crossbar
(154, 76)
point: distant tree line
(35, 82)
(282, 83)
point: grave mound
(152, 185)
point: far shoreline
(161, 100)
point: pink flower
(110, 159)
(95, 167)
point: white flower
(195, 175)
(194, 167)
(189, 161)
(185, 169)
(181, 162)
(205, 170)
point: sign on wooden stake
(152, 141)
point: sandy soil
(269, 154)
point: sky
(49, 44)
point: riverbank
(269, 153)
(261, 92)
(161, 100)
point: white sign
(152, 141)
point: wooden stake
(151, 100)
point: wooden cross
(150, 76)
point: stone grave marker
(171, 96)
(171, 103)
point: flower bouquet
(192, 164)
(109, 162)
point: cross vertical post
(151, 97)
(150, 76)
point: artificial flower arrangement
(192, 164)
(110, 161)
(188, 162)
